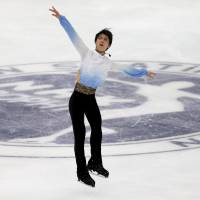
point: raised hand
(55, 12)
(150, 74)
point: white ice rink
(163, 165)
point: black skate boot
(85, 178)
(97, 169)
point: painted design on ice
(34, 104)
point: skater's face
(102, 43)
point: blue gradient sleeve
(134, 70)
(74, 37)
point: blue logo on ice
(34, 104)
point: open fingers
(53, 9)
(55, 12)
(151, 75)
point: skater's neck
(100, 52)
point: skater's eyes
(103, 37)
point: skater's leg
(77, 116)
(76, 109)
(94, 118)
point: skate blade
(86, 184)
(97, 174)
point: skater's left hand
(150, 74)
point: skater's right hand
(55, 12)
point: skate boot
(85, 178)
(97, 169)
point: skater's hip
(83, 89)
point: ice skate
(84, 177)
(98, 169)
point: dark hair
(106, 32)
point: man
(93, 71)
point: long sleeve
(135, 69)
(74, 37)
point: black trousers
(80, 104)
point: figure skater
(94, 67)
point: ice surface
(155, 30)
(143, 30)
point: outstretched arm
(74, 37)
(134, 70)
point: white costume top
(94, 66)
